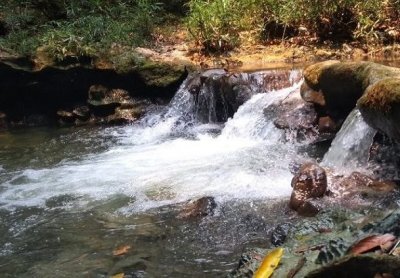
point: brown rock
(198, 208)
(326, 125)
(296, 114)
(311, 95)
(310, 182)
(309, 208)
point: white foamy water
(350, 148)
(167, 158)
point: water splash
(169, 157)
(350, 148)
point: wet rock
(65, 117)
(198, 208)
(359, 266)
(297, 116)
(309, 208)
(124, 115)
(333, 250)
(365, 186)
(310, 182)
(82, 113)
(3, 122)
(327, 125)
(103, 101)
(280, 233)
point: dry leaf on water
(384, 242)
(119, 275)
(269, 263)
(122, 250)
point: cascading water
(238, 163)
(350, 148)
(88, 190)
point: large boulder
(342, 84)
(380, 106)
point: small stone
(279, 234)
(198, 208)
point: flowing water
(69, 197)
(350, 148)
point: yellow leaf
(119, 275)
(269, 264)
(122, 250)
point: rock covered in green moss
(380, 106)
(342, 84)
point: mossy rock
(161, 75)
(313, 73)
(359, 266)
(380, 106)
(342, 84)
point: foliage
(89, 27)
(217, 25)
(77, 27)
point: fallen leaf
(269, 264)
(119, 275)
(122, 250)
(370, 243)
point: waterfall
(180, 151)
(350, 148)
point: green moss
(313, 73)
(383, 96)
(159, 74)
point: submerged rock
(280, 233)
(309, 183)
(198, 208)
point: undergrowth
(90, 27)
(217, 25)
(77, 28)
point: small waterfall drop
(350, 148)
(174, 154)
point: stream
(69, 197)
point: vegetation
(89, 27)
(217, 25)
(76, 27)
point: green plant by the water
(76, 28)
